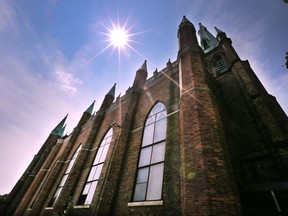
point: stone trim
(81, 206)
(145, 203)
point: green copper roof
(112, 91)
(144, 66)
(208, 41)
(90, 108)
(59, 129)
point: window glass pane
(142, 175)
(97, 158)
(157, 108)
(160, 130)
(109, 133)
(69, 167)
(98, 172)
(55, 196)
(140, 191)
(92, 173)
(104, 153)
(63, 180)
(158, 153)
(148, 135)
(154, 191)
(91, 193)
(57, 192)
(150, 120)
(86, 188)
(77, 152)
(108, 140)
(161, 115)
(145, 156)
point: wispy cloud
(36, 82)
(6, 16)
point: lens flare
(119, 37)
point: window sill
(81, 206)
(146, 203)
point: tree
(285, 1)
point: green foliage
(66, 211)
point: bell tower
(205, 167)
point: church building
(200, 137)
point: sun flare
(119, 37)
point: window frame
(146, 195)
(82, 199)
(220, 63)
(64, 177)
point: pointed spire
(59, 129)
(208, 41)
(90, 108)
(61, 132)
(144, 66)
(185, 21)
(220, 34)
(218, 31)
(112, 91)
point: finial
(155, 72)
(218, 31)
(169, 65)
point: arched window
(94, 174)
(151, 162)
(220, 64)
(205, 44)
(64, 178)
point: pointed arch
(149, 180)
(96, 169)
(64, 177)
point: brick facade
(226, 144)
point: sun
(119, 37)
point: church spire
(141, 75)
(59, 129)
(208, 41)
(112, 91)
(144, 66)
(90, 108)
(185, 21)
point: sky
(55, 58)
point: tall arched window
(94, 174)
(64, 178)
(151, 163)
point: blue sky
(51, 62)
